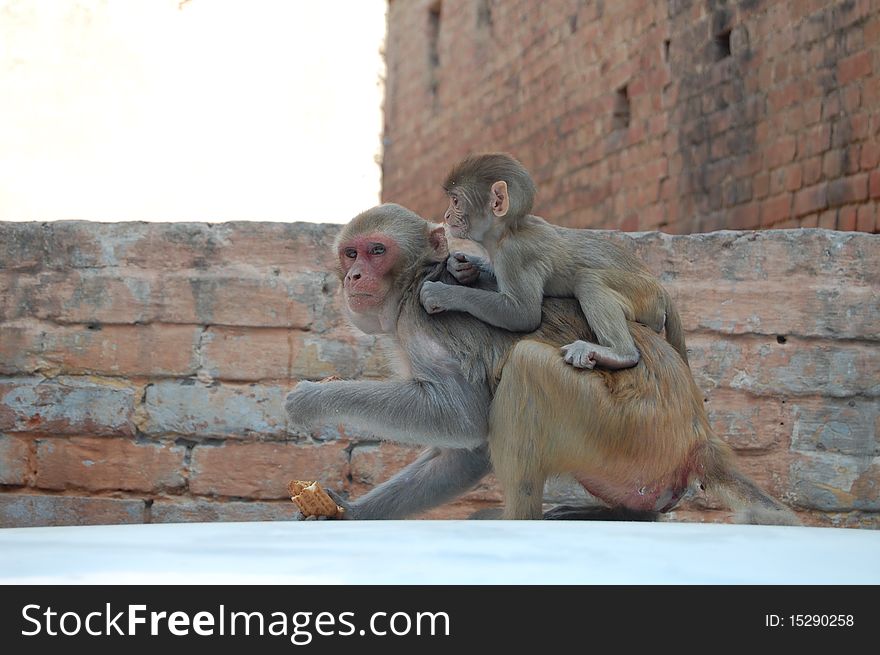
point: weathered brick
(190, 407)
(18, 343)
(66, 405)
(286, 247)
(764, 367)
(236, 297)
(748, 423)
(81, 296)
(209, 511)
(834, 482)
(781, 152)
(866, 218)
(745, 217)
(814, 141)
(826, 310)
(869, 156)
(847, 218)
(812, 171)
(854, 67)
(108, 465)
(250, 354)
(262, 470)
(809, 221)
(848, 190)
(776, 209)
(29, 346)
(130, 351)
(14, 460)
(81, 244)
(827, 219)
(874, 184)
(21, 245)
(31, 510)
(833, 425)
(809, 200)
(758, 256)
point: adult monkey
(636, 438)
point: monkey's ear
(438, 243)
(499, 200)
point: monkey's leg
(515, 432)
(436, 477)
(518, 468)
(604, 312)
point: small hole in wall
(722, 45)
(434, 33)
(621, 108)
(666, 44)
(780, 338)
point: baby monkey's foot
(580, 354)
(583, 354)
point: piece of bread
(312, 500)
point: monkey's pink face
(367, 262)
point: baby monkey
(490, 197)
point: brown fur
(632, 427)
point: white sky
(215, 110)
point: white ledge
(439, 552)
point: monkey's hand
(350, 510)
(436, 296)
(303, 406)
(350, 507)
(464, 268)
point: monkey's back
(561, 255)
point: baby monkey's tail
(675, 331)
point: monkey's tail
(752, 504)
(675, 331)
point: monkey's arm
(437, 407)
(436, 477)
(516, 306)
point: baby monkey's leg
(603, 309)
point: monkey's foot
(583, 354)
(580, 354)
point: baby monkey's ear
(499, 199)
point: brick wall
(682, 116)
(143, 368)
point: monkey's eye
(351, 253)
(377, 249)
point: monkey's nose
(354, 276)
